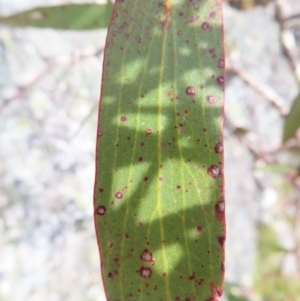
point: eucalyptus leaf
(69, 16)
(292, 121)
(159, 205)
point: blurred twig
(261, 88)
(288, 39)
(51, 62)
(24, 89)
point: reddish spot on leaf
(220, 81)
(165, 275)
(140, 159)
(147, 256)
(110, 275)
(145, 179)
(212, 15)
(199, 229)
(101, 190)
(200, 281)
(220, 210)
(119, 195)
(222, 267)
(140, 224)
(145, 272)
(219, 148)
(213, 171)
(221, 63)
(177, 299)
(99, 134)
(123, 118)
(205, 26)
(178, 186)
(221, 240)
(100, 210)
(190, 90)
(192, 277)
(180, 32)
(211, 99)
(148, 132)
(194, 19)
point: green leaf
(278, 168)
(69, 16)
(292, 121)
(159, 205)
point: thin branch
(23, 90)
(288, 39)
(263, 89)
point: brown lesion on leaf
(181, 129)
(145, 272)
(147, 257)
(171, 95)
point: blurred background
(49, 92)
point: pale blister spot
(205, 26)
(147, 257)
(211, 99)
(100, 210)
(190, 90)
(119, 195)
(221, 81)
(145, 272)
(221, 63)
(148, 132)
(218, 148)
(213, 171)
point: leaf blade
(292, 121)
(159, 180)
(68, 16)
